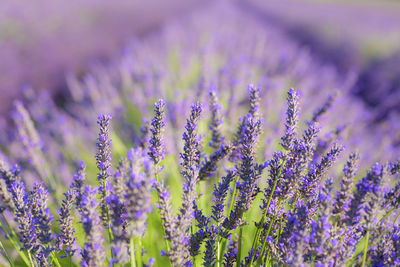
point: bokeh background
(43, 41)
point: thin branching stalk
(365, 249)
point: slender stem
(223, 247)
(55, 260)
(280, 230)
(239, 253)
(6, 254)
(387, 214)
(258, 232)
(365, 250)
(395, 220)
(158, 200)
(13, 239)
(30, 258)
(232, 202)
(233, 198)
(192, 233)
(132, 250)
(109, 230)
(8, 225)
(218, 251)
(138, 251)
(265, 240)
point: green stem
(192, 230)
(258, 232)
(13, 239)
(109, 230)
(233, 198)
(232, 202)
(218, 252)
(138, 251)
(265, 240)
(6, 254)
(395, 220)
(30, 259)
(55, 260)
(158, 200)
(132, 250)
(223, 247)
(386, 215)
(239, 253)
(365, 250)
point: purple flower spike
(137, 194)
(92, 253)
(292, 118)
(66, 238)
(157, 147)
(217, 138)
(103, 160)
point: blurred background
(42, 41)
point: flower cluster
(249, 181)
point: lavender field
(216, 139)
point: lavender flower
(292, 234)
(157, 149)
(325, 107)
(216, 122)
(137, 197)
(103, 160)
(31, 142)
(26, 228)
(315, 173)
(209, 255)
(92, 252)
(370, 183)
(78, 183)
(171, 227)
(254, 99)
(177, 229)
(370, 207)
(190, 167)
(318, 240)
(392, 198)
(219, 196)
(120, 178)
(145, 138)
(292, 118)
(386, 251)
(253, 254)
(210, 164)
(394, 167)
(191, 156)
(231, 254)
(66, 238)
(191, 152)
(346, 184)
(42, 222)
(275, 170)
(8, 177)
(249, 172)
(196, 240)
(118, 226)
